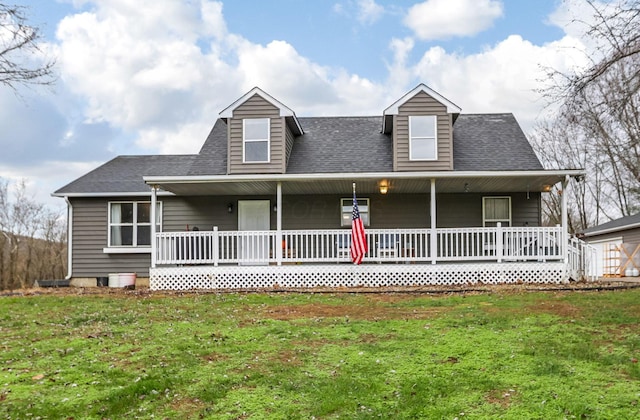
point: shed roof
(618, 225)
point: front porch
(412, 238)
(397, 257)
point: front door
(253, 215)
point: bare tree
(22, 59)
(598, 124)
(32, 239)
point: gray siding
(257, 107)
(465, 209)
(201, 212)
(207, 212)
(526, 211)
(323, 211)
(422, 104)
(631, 236)
(406, 211)
(90, 220)
(89, 225)
(289, 144)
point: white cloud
(43, 178)
(442, 19)
(164, 72)
(161, 74)
(369, 11)
(504, 78)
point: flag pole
(354, 189)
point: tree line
(597, 123)
(33, 239)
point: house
(617, 245)
(446, 198)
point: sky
(151, 76)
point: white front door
(254, 215)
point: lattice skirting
(345, 275)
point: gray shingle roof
(614, 225)
(124, 174)
(482, 142)
(491, 142)
(212, 158)
(341, 144)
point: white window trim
(245, 141)
(485, 220)
(435, 137)
(127, 250)
(349, 204)
(130, 249)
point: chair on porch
(388, 246)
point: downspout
(565, 221)
(69, 238)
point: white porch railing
(385, 245)
(581, 260)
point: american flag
(359, 245)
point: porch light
(384, 187)
(230, 207)
(546, 188)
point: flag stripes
(359, 245)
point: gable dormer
(260, 133)
(421, 125)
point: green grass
(509, 355)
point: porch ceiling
(398, 183)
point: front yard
(501, 353)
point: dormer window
(255, 140)
(423, 139)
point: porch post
(154, 241)
(434, 239)
(279, 223)
(565, 221)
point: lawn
(503, 353)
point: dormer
(421, 126)
(260, 134)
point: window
(346, 205)
(256, 135)
(423, 139)
(130, 223)
(496, 209)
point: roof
(124, 174)
(285, 111)
(341, 144)
(329, 145)
(394, 108)
(491, 142)
(624, 223)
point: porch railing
(385, 245)
(581, 260)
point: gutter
(198, 179)
(611, 230)
(109, 194)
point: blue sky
(150, 76)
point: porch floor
(349, 275)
